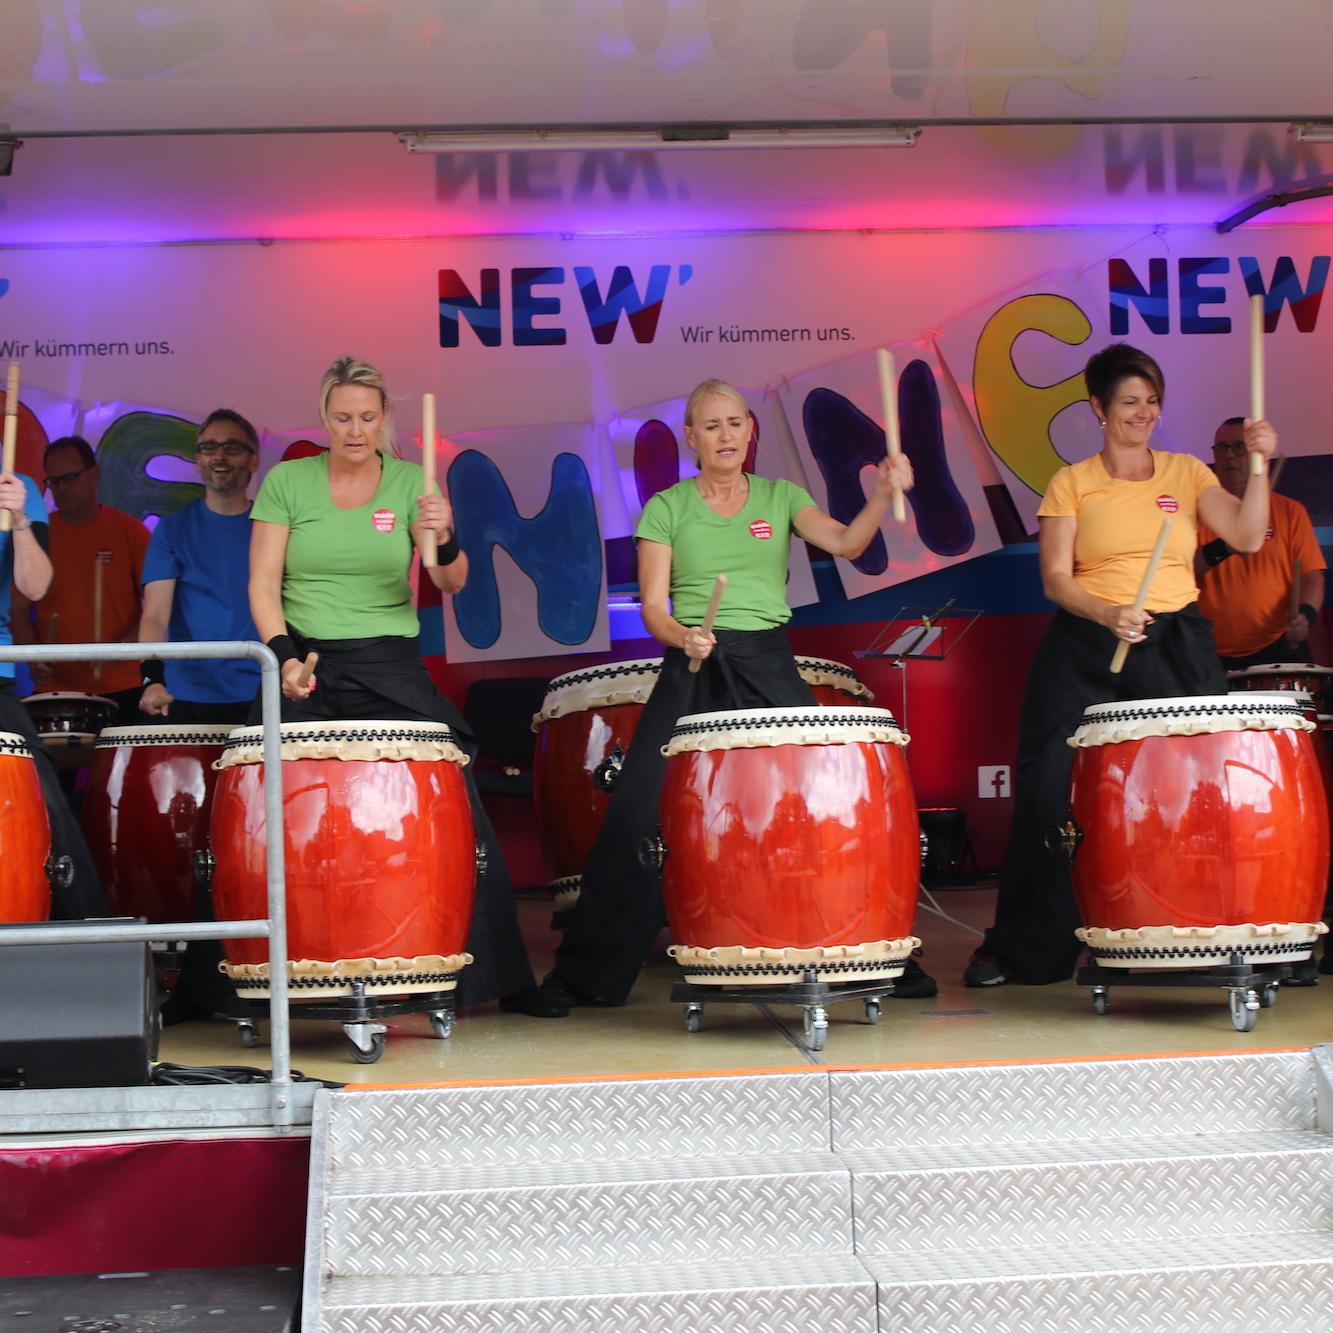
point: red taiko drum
(1205, 831)
(25, 835)
(69, 723)
(587, 721)
(381, 858)
(834, 684)
(145, 815)
(584, 729)
(1284, 678)
(791, 846)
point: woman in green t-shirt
(724, 521)
(330, 558)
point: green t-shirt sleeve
(797, 497)
(655, 523)
(273, 504)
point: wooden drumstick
(11, 434)
(97, 609)
(710, 615)
(1155, 559)
(1294, 603)
(888, 392)
(1275, 475)
(1257, 461)
(307, 669)
(429, 540)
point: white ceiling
(141, 73)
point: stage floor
(959, 1026)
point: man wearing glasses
(195, 584)
(1248, 597)
(97, 554)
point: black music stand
(918, 634)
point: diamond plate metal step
(591, 1217)
(1122, 1196)
(1039, 1194)
(1226, 1282)
(1073, 1100)
(834, 1295)
(581, 1122)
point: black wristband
(449, 551)
(1215, 551)
(1309, 613)
(283, 649)
(153, 671)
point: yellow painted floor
(959, 1026)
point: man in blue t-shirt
(196, 578)
(25, 563)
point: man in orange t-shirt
(1248, 597)
(86, 537)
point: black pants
(1035, 914)
(84, 896)
(619, 910)
(386, 678)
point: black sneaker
(985, 969)
(536, 1002)
(1304, 973)
(914, 984)
(569, 995)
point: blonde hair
(347, 370)
(701, 391)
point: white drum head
(210, 733)
(1191, 715)
(361, 740)
(756, 728)
(603, 686)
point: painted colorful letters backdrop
(553, 358)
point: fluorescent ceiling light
(666, 136)
(1312, 131)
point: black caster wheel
(1244, 1010)
(815, 1024)
(694, 1017)
(1101, 1001)
(368, 1057)
(442, 1025)
(249, 1035)
(1268, 996)
(872, 1011)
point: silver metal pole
(275, 928)
(134, 932)
(279, 1041)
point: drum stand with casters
(811, 994)
(359, 1015)
(1250, 986)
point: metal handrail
(274, 928)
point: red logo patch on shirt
(762, 529)
(384, 519)
(1168, 504)
(1268, 536)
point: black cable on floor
(169, 1075)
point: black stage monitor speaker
(76, 1015)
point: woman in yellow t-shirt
(1099, 520)
(722, 521)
